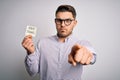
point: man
(62, 56)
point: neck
(61, 40)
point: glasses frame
(63, 20)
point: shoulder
(88, 45)
(84, 42)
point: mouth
(62, 31)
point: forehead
(64, 15)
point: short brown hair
(66, 8)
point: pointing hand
(79, 54)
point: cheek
(57, 28)
(71, 28)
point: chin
(63, 35)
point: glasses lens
(58, 21)
(67, 21)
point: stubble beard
(63, 36)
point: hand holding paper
(27, 42)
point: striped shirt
(50, 59)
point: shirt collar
(66, 39)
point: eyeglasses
(67, 22)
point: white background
(98, 22)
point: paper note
(31, 30)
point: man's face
(64, 24)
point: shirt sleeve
(93, 59)
(32, 63)
(89, 47)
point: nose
(62, 24)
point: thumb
(29, 36)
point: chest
(56, 52)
